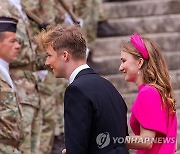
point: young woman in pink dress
(153, 119)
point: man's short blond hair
(60, 37)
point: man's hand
(64, 151)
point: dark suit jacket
(94, 113)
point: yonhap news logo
(103, 140)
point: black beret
(8, 24)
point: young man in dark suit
(95, 113)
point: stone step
(151, 24)
(125, 87)
(111, 46)
(110, 64)
(141, 8)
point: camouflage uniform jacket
(10, 117)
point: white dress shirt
(4, 69)
(76, 71)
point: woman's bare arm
(143, 141)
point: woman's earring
(139, 72)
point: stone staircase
(156, 19)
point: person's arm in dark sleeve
(78, 117)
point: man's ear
(66, 55)
(140, 62)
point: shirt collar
(76, 71)
(4, 69)
(4, 64)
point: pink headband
(138, 43)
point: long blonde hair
(155, 71)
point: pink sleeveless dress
(149, 112)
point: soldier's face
(9, 47)
(56, 62)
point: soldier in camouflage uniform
(52, 111)
(22, 74)
(91, 11)
(10, 114)
(45, 84)
(50, 91)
